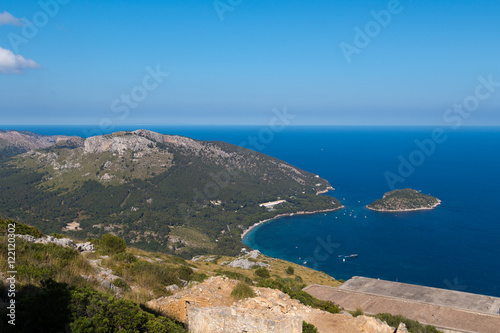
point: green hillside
(159, 192)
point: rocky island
(403, 201)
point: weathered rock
(66, 242)
(83, 247)
(244, 261)
(230, 319)
(173, 288)
(269, 307)
(373, 325)
(116, 144)
(402, 328)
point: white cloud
(7, 18)
(14, 63)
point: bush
(412, 325)
(120, 283)
(125, 257)
(309, 328)
(111, 244)
(93, 311)
(357, 312)
(20, 228)
(290, 270)
(234, 276)
(242, 291)
(294, 290)
(298, 279)
(262, 273)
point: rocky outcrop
(66, 242)
(245, 261)
(208, 307)
(104, 276)
(26, 141)
(116, 144)
(230, 319)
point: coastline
(328, 189)
(243, 234)
(405, 210)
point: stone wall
(232, 320)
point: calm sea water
(456, 246)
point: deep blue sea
(455, 246)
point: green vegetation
(92, 311)
(111, 244)
(412, 325)
(234, 276)
(51, 275)
(290, 270)
(294, 290)
(309, 328)
(173, 199)
(242, 291)
(357, 312)
(262, 272)
(82, 309)
(19, 228)
(407, 199)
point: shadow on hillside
(38, 309)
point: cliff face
(116, 144)
(142, 153)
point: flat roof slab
(444, 297)
(449, 310)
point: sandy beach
(289, 214)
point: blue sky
(234, 61)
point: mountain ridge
(160, 192)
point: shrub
(234, 276)
(290, 270)
(20, 228)
(262, 273)
(93, 311)
(309, 328)
(412, 325)
(125, 257)
(242, 291)
(111, 244)
(298, 279)
(357, 312)
(294, 290)
(120, 283)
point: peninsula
(403, 201)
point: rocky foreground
(208, 307)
